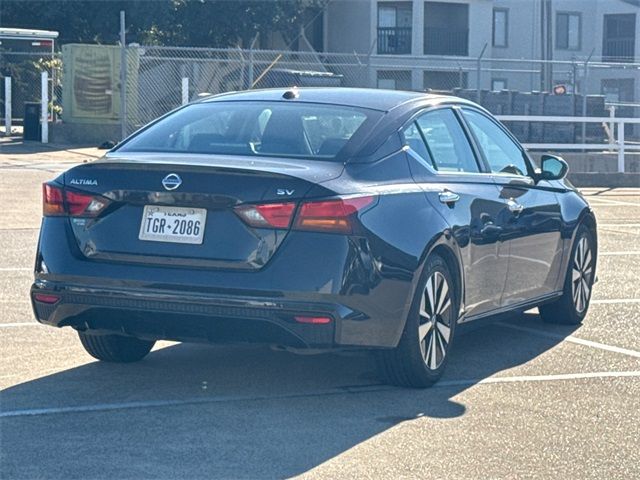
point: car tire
(115, 348)
(423, 351)
(572, 306)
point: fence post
(478, 69)
(585, 80)
(7, 105)
(123, 77)
(185, 90)
(621, 147)
(612, 114)
(44, 106)
(251, 73)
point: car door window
(500, 151)
(446, 141)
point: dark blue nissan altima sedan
(313, 218)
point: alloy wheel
(434, 331)
(581, 275)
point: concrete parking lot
(521, 399)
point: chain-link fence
(212, 71)
(504, 86)
(156, 81)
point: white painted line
(606, 301)
(619, 225)
(612, 254)
(15, 269)
(539, 378)
(19, 324)
(608, 201)
(104, 407)
(572, 339)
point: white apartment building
(417, 44)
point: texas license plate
(173, 224)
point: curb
(608, 180)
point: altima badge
(171, 181)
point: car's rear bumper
(365, 287)
(154, 314)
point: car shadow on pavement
(17, 146)
(233, 412)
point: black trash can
(32, 126)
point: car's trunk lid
(207, 183)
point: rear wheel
(422, 354)
(115, 348)
(571, 308)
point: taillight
(52, 200)
(330, 215)
(267, 215)
(335, 215)
(57, 201)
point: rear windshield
(253, 128)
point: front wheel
(572, 306)
(115, 348)
(422, 354)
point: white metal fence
(615, 128)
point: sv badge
(284, 191)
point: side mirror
(552, 168)
(108, 145)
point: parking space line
(572, 339)
(619, 225)
(15, 269)
(21, 324)
(606, 202)
(606, 301)
(540, 378)
(103, 407)
(611, 254)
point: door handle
(448, 197)
(515, 207)
(490, 230)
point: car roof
(376, 99)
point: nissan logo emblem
(171, 181)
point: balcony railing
(618, 49)
(446, 41)
(394, 40)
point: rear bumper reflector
(46, 298)
(312, 320)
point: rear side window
(446, 142)
(254, 128)
(502, 153)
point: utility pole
(123, 77)
(543, 50)
(549, 70)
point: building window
(446, 28)
(619, 39)
(394, 28)
(444, 80)
(498, 84)
(500, 27)
(394, 79)
(568, 31)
